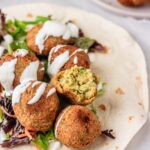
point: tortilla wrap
(124, 106)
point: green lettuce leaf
(41, 142)
(84, 42)
(43, 139)
(18, 30)
(1, 115)
(102, 90)
(50, 135)
(93, 109)
(38, 20)
(9, 48)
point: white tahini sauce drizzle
(42, 69)
(56, 145)
(56, 29)
(2, 49)
(38, 94)
(60, 61)
(7, 74)
(35, 83)
(29, 27)
(59, 120)
(56, 48)
(92, 57)
(7, 93)
(20, 52)
(30, 72)
(76, 51)
(50, 92)
(8, 39)
(18, 91)
(73, 29)
(99, 86)
(75, 61)
(2, 136)
(86, 50)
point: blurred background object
(133, 2)
(138, 8)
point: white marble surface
(139, 29)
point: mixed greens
(10, 125)
(42, 140)
(93, 109)
(101, 91)
(18, 30)
(12, 128)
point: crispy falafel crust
(49, 42)
(133, 2)
(81, 127)
(22, 63)
(83, 58)
(39, 116)
(68, 93)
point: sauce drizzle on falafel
(38, 94)
(7, 74)
(55, 66)
(20, 52)
(56, 29)
(50, 92)
(30, 72)
(18, 91)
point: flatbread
(124, 107)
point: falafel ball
(50, 42)
(77, 127)
(35, 105)
(63, 57)
(133, 2)
(23, 69)
(78, 84)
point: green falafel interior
(80, 81)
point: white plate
(114, 6)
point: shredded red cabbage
(11, 124)
(7, 123)
(2, 23)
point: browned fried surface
(83, 59)
(81, 127)
(49, 43)
(40, 115)
(22, 63)
(133, 2)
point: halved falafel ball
(35, 105)
(63, 57)
(50, 42)
(27, 66)
(133, 2)
(77, 127)
(78, 84)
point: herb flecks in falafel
(78, 83)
